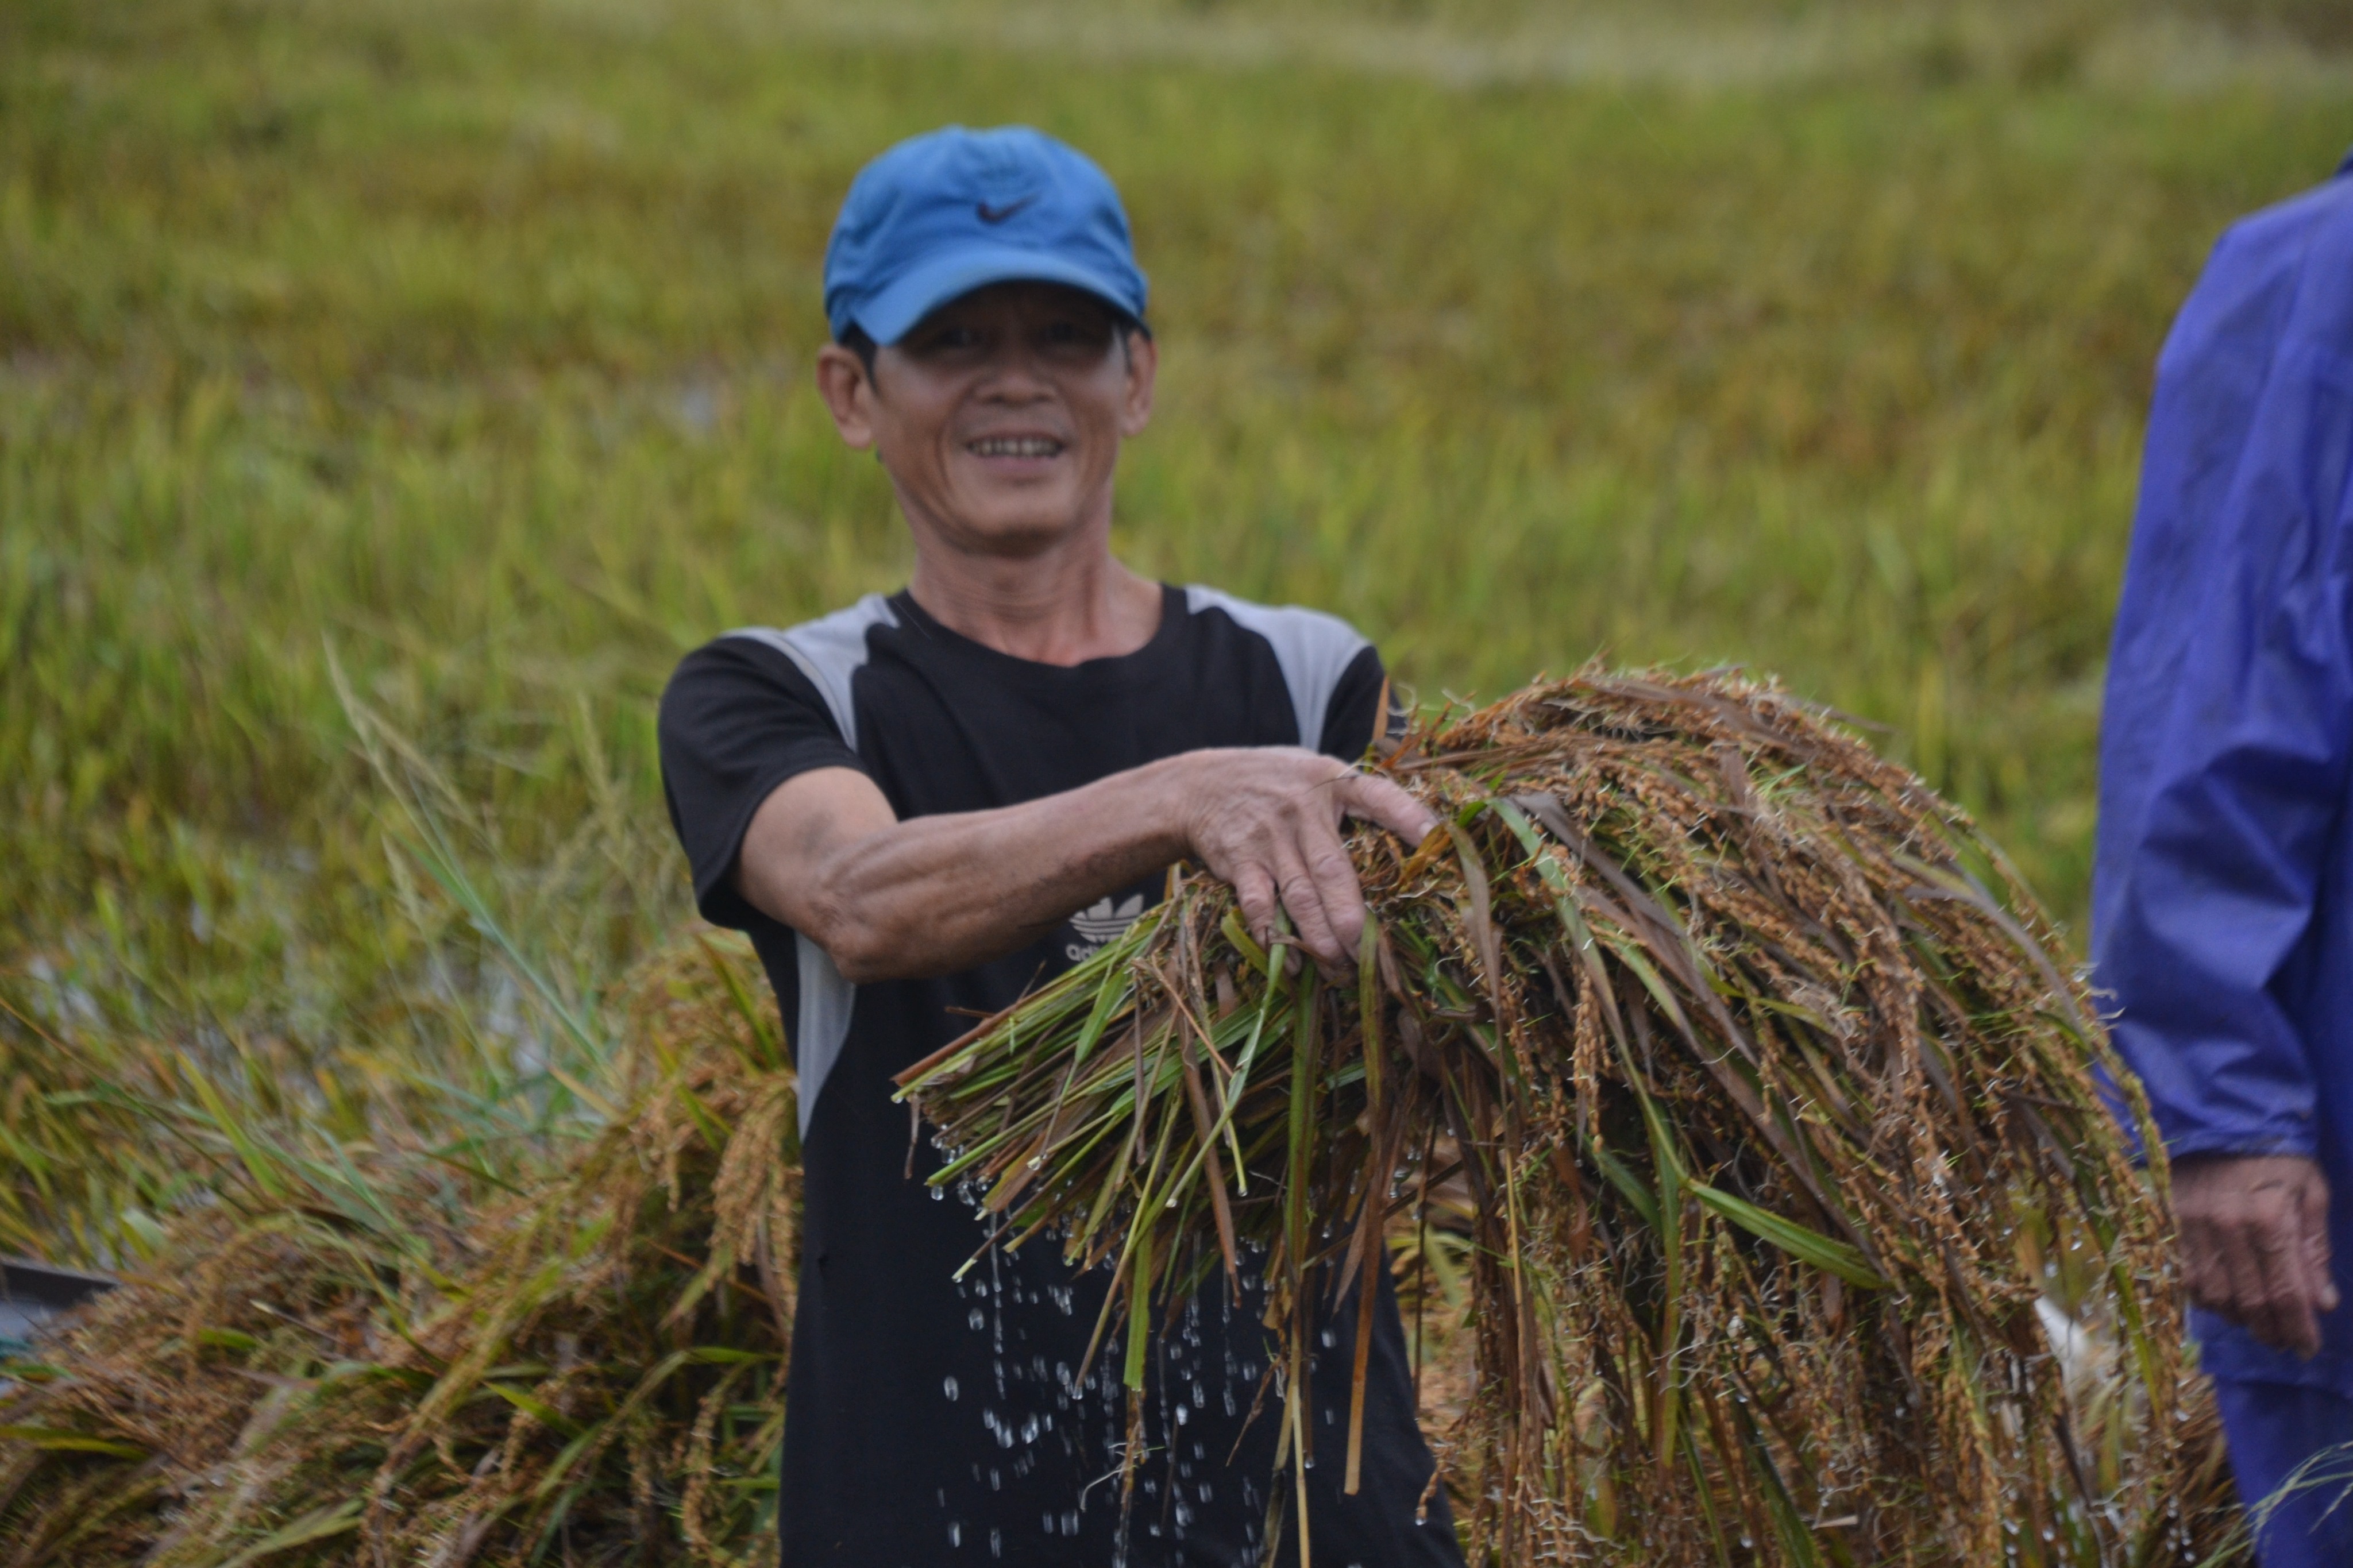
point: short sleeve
(1363, 710)
(737, 719)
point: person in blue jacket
(2223, 897)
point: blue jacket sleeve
(2228, 729)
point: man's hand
(1267, 822)
(2254, 1244)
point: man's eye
(949, 339)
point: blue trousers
(2273, 1427)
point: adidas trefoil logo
(1100, 922)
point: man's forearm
(935, 894)
(891, 899)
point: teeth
(1015, 446)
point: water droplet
(949, 1387)
(955, 1533)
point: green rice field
(390, 394)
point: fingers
(2202, 1276)
(2319, 1267)
(1338, 903)
(1254, 893)
(1376, 799)
(1330, 911)
(2261, 1273)
(1325, 901)
(1282, 883)
(1311, 920)
(2281, 1306)
(2297, 1287)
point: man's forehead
(1022, 298)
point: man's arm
(891, 899)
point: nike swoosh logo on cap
(998, 215)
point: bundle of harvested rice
(374, 1355)
(1808, 1224)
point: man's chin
(1019, 533)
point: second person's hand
(2254, 1244)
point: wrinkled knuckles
(1333, 868)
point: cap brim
(892, 314)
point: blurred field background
(432, 375)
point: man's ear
(1142, 357)
(848, 388)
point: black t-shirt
(932, 1420)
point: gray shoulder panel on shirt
(1313, 648)
(830, 651)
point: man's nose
(1014, 376)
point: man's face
(999, 415)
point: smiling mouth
(1015, 446)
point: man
(923, 805)
(2222, 909)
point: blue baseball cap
(954, 210)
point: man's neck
(1072, 603)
